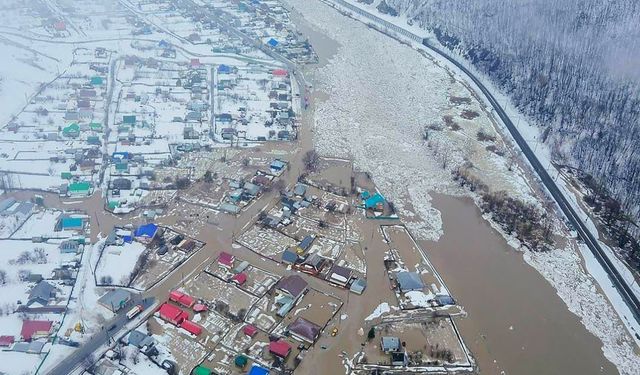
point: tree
(208, 177)
(311, 159)
(371, 334)
(3, 277)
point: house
(226, 260)
(251, 189)
(239, 278)
(250, 330)
(172, 314)
(224, 69)
(79, 189)
(313, 264)
(6, 341)
(69, 247)
(340, 275)
(96, 81)
(257, 370)
(41, 294)
(304, 330)
(272, 42)
(280, 348)
(445, 300)
(299, 190)
(305, 244)
(408, 281)
(375, 202)
(146, 232)
(195, 63)
(390, 344)
(71, 223)
(293, 286)
(129, 120)
(59, 26)
(35, 328)
(230, 208)
(115, 300)
(278, 165)
(121, 184)
(139, 339)
(279, 72)
(181, 298)
(358, 286)
(241, 267)
(73, 130)
(191, 327)
(289, 257)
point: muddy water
(516, 322)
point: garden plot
(263, 313)
(118, 263)
(327, 248)
(216, 324)
(332, 175)
(157, 267)
(302, 227)
(431, 342)
(226, 297)
(353, 257)
(266, 242)
(180, 345)
(315, 306)
(252, 104)
(222, 359)
(258, 281)
(408, 257)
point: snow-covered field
(378, 107)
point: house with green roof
(66, 175)
(79, 189)
(93, 140)
(71, 131)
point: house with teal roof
(71, 131)
(374, 202)
(79, 189)
(96, 81)
(129, 120)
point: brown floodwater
(516, 322)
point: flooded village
(171, 204)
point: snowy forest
(572, 66)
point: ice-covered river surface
(529, 313)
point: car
(334, 331)
(112, 327)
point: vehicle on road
(135, 310)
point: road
(103, 337)
(563, 203)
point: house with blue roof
(257, 370)
(272, 42)
(224, 69)
(146, 232)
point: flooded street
(516, 323)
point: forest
(571, 66)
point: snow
(419, 298)
(118, 262)
(382, 308)
(399, 103)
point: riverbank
(377, 109)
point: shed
(201, 370)
(6, 341)
(191, 327)
(279, 72)
(181, 298)
(129, 119)
(358, 286)
(300, 189)
(71, 223)
(278, 165)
